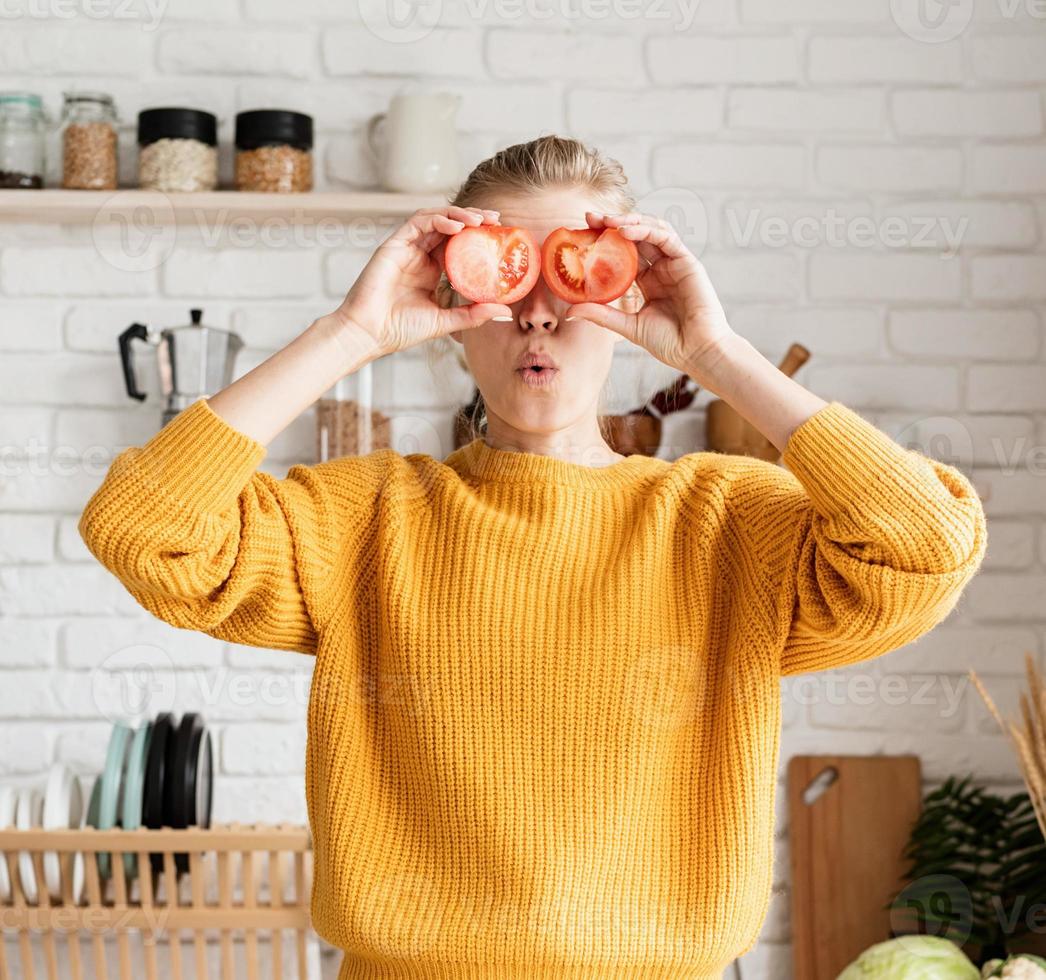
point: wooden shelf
(111, 207)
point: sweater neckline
(486, 463)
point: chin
(535, 412)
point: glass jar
(177, 150)
(23, 128)
(273, 151)
(90, 159)
(354, 416)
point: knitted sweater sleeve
(871, 543)
(204, 541)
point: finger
(436, 237)
(451, 223)
(442, 226)
(594, 219)
(468, 216)
(650, 231)
(648, 252)
(438, 252)
(605, 316)
(422, 225)
(467, 317)
(674, 272)
(421, 229)
(652, 282)
(649, 255)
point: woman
(544, 721)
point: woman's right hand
(392, 305)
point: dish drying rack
(271, 864)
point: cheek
(483, 346)
(593, 339)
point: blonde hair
(544, 163)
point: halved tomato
(492, 263)
(588, 265)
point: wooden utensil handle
(795, 357)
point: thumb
(473, 315)
(604, 316)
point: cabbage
(916, 957)
(1023, 966)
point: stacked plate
(158, 774)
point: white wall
(816, 155)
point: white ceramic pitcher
(415, 144)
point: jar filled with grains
(89, 142)
(177, 150)
(273, 151)
(23, 128)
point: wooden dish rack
(271, 864)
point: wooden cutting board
(849, 819)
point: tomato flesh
(492, 264)
(589, 265)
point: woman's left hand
(682, 322)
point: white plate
(63, 809)
(28, 812)
(7, 819)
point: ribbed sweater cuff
(199, 459)
(848, 466)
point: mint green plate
(134, 782)
(93, 801)
(112, 784)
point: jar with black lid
(178, 150)
(273, 151)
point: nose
(540, 309)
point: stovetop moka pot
(193, 361)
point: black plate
(188, 752)
(204, 782)
(155, 788)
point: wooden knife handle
(795, 357)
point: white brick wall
(879, 198)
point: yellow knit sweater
(544, 719)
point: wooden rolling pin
(795, 357)
(728, 432)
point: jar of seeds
(273, 151)
(89, 142)
(177, 150)
(23, 128)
